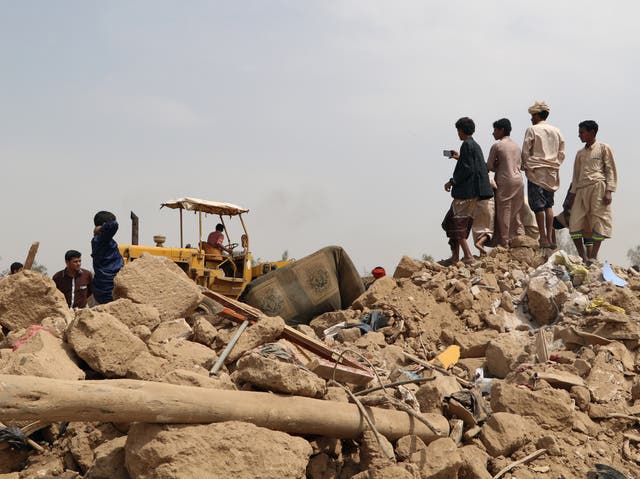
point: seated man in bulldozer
(216, 242)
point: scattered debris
(523, 365)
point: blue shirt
(107, 261)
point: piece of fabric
(542, 155)
(324, 281)
(76, 289)
(458, 221)
(539, 198)
(529, 220)
(594, 164)
(378, 272)
(470, 176)
(483, 219)
(590, 213)
(107, 261)
(504, 160)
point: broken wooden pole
(31, 255)
(127, 400)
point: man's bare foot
(480, 247)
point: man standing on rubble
(594, 180)
(504, 159)
(73, 281)
(107, 260)
(469, 183)
(542, 155)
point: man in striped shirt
(73, 281)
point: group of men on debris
(78, 284)
(587, 206)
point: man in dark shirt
(73, 281)
(469, 183)
(107, 260)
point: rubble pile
(520, 366)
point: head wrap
(537, 107)
(378, 272)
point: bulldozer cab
(225, 272)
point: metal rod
(227, 350)
(181, 242)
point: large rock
(547, 407)
(42, 355)
(174, 329)
(379, 290)
(266, 330)
(230, 449)
(204, 332)
(109, 461)
(408, 445)
(158, 281)
(148, 367)
(546, 294)
(474, 343)
(431, 394)
(407, 267)
(605, 381)
(474, 463)
(504, 352)
(401, 471)
(184, 354)
(524, 241)
(132, 314)
(278, 376)
(104, 343)
(27, 298)
(504, 433)
(440, 460)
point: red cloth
(378, 272)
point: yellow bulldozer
(227, 274)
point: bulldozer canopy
(205, 206)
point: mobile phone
(447, 153)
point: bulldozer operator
(215, 242)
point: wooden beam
(31, 256)
(126, 400)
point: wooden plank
(344, 374)
(541, 347)
(31, 256)
(289, 333)
(127, 400)
(319, 348)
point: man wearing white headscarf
(542, 155)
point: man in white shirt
(542, 155)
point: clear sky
(327, 119)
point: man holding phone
(469, 183)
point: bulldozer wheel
(208, 306)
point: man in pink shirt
(216, 239)
(504, 159)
